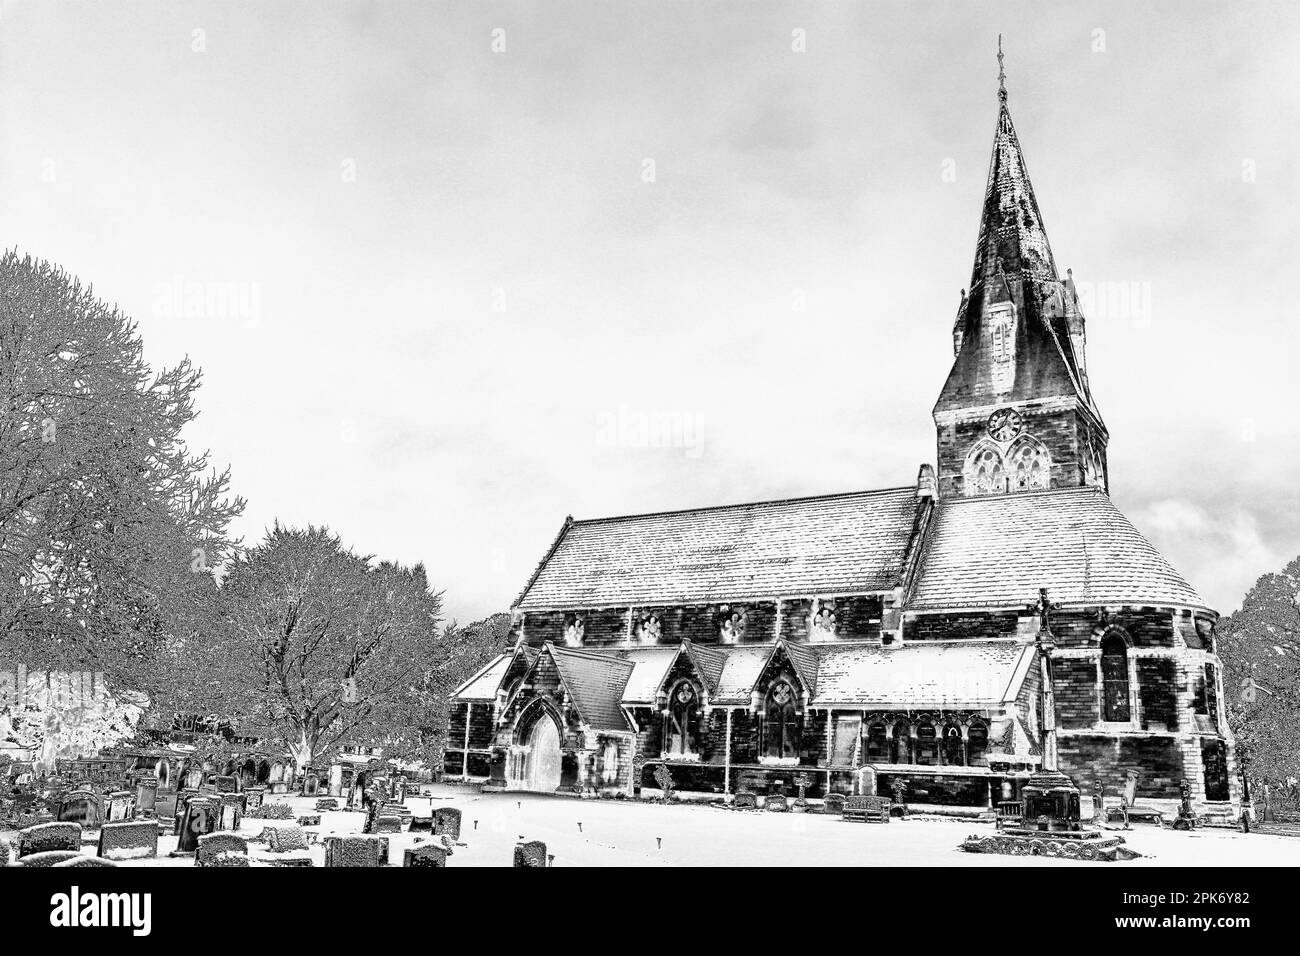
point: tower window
(984, 472)
(1030, 466)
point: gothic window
(573, 631)
(951, 746)
(847, 732)
(984, 472)
(1206, 697)
(1114, 679)
(927, 743)
(781, 722)
(902, 749)
(1030, 466)
(649, 630)
(683, 729)
(823, 624)
(1093, 473)
(977, 744)
(733, 626)
(609, 763)
(877, 744)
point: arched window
(927, 743)
(683, 726)
(951, 750)
(902, 742)
(977, 745)
(1030, 466)
(1114, 679)
(984, 472)
(877, 743)
(781, 722)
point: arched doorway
(542, 765)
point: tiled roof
(922, 674)
(836, 544)
(649, 666)
(999, 550)
(744, 663)
(483, 685)
(595, 683)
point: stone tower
(1016, 413)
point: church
(942, 640)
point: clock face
(1005, 424)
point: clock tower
(1016, 413)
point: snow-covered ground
(622, 833)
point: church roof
(997, 551)
(484, 683)
(595, 683)
(922, 673)
(834, 544)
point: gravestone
(231, 811)
(49, 858)
(426, 854)
(776, 803)
(834, 803)
(81, 860)
(253, 799)
(48, 837)
(215, 849)
(81, 807)
(446, 820)
(311, 784)
(120, 807)
(165, 805)
(327, 803)
(354, 851)
(387, 823)
(309, 820)
(132, 840)
(200, 818)
(146, 794)
(746, 800)
(532, 853)
(226, 784)
(285, 838)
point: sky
(454, 271)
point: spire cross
(1002, 73)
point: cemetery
(450, 824)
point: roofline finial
(1002, 73)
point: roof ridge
(748, 504)
(588, 654)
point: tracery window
(927, 743)
(1030, 466)
(823, 624)
(733, 627)
(683, 726)
(1114, 679)
(877, 743)
(977, 744)
(951, 746)
(781, 721)
(902, 744)
(984, 472)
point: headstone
(532, 853)
(79, 806)
(327, 803)
(47, 837)
(745, 800)
(253, 799)
(353, 851)
(131, 840)
(165, 804)
(310, 784)
(200, 818)
(82, 860)
(426, 854)
(309, 820)
(834, 803)
(387, 823)
(227, 784)
(231, 811)
(121, 806)
(221, 849)
(146, 794)
(446, 820)
(285, 838)
(49, 858)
